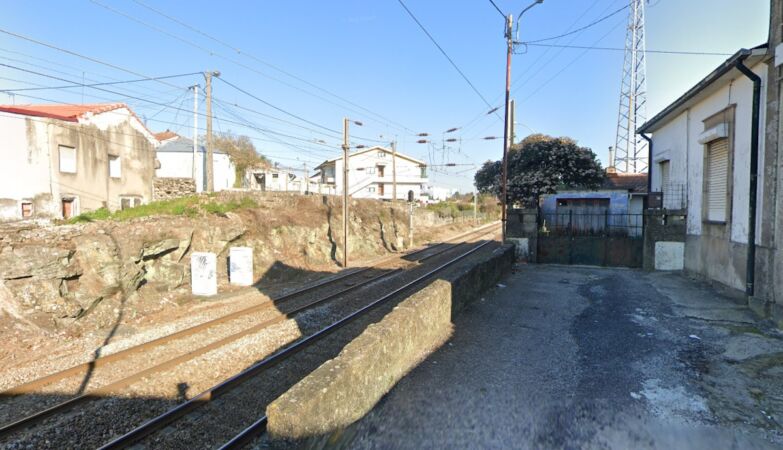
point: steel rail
(83, 368)
(216, 391)
(117, 385)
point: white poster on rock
(240, 266)
(203, 273)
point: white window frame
(381, 154)
(115, 166)
(65, 165)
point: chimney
(611, 168)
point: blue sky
(373, 55)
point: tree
(242, 153)
(541, 165)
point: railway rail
(259, 426)
(291, 304)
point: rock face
(72, 271)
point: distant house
(279, 179)
(617, 206)
(175, 155)
(371, 174)
(702, 147)
(61, 160)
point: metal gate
(595, 239)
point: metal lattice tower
(630, 148)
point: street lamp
(346, 148)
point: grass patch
(186, 206)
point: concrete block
(669, 255)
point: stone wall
(169, 188)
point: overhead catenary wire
(108, 83)
(580, 29)
(618, 49)
(268, 64)
(442, 51)
(502, 14)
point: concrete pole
(506, 127)
(345, 191)
(410, 224)
(394, 170)
(475, 208)
(195, 135)
(210, 150)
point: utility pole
(346, 147)
(306, 180)
(410, 222)
(195, 135)
(210, 150)
(394, 171)
(475, 208)
(506, 130)
(513, 124)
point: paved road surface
(567, 357)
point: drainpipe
(649, 162)
(750, 275)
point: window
(380, 171)
(115, 166)
(424, 171)
(274, 175)
(129, 202)
(371, 189)
(664, 167)
(716, 179)
(27, 209)
(381, 154)
(67, 159)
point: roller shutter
(717, 179)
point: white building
(702, 144)
(371, 174)
(61, 160)
(176, 161)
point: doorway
(69, 207)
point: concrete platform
(567, 357)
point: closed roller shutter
(717, 179)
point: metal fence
(591, 224)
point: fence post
(606, 222)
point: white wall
(180, 165)
(678, 141)
(364, 175)
(25, 169)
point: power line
(266, 63)
(503, 15)
(618, 49)
(108, 83)
(462, 74)
(591, 24)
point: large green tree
(242, 153)
(541, 165)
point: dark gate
(595, 239)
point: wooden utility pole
(346, 147)
(394, 170)
(210, 150)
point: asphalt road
(568, 357)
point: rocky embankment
(86, 274)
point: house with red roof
(62, 160)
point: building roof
(184, 145)
(721, 75)
(633, 182)
(166, 135)
(375, 147)
(68, 113)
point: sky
(302, 66)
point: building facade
(175, 156)
(372, 173)
(702, 151)
(61, 160)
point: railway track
(289, 305)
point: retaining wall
(347, 387)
